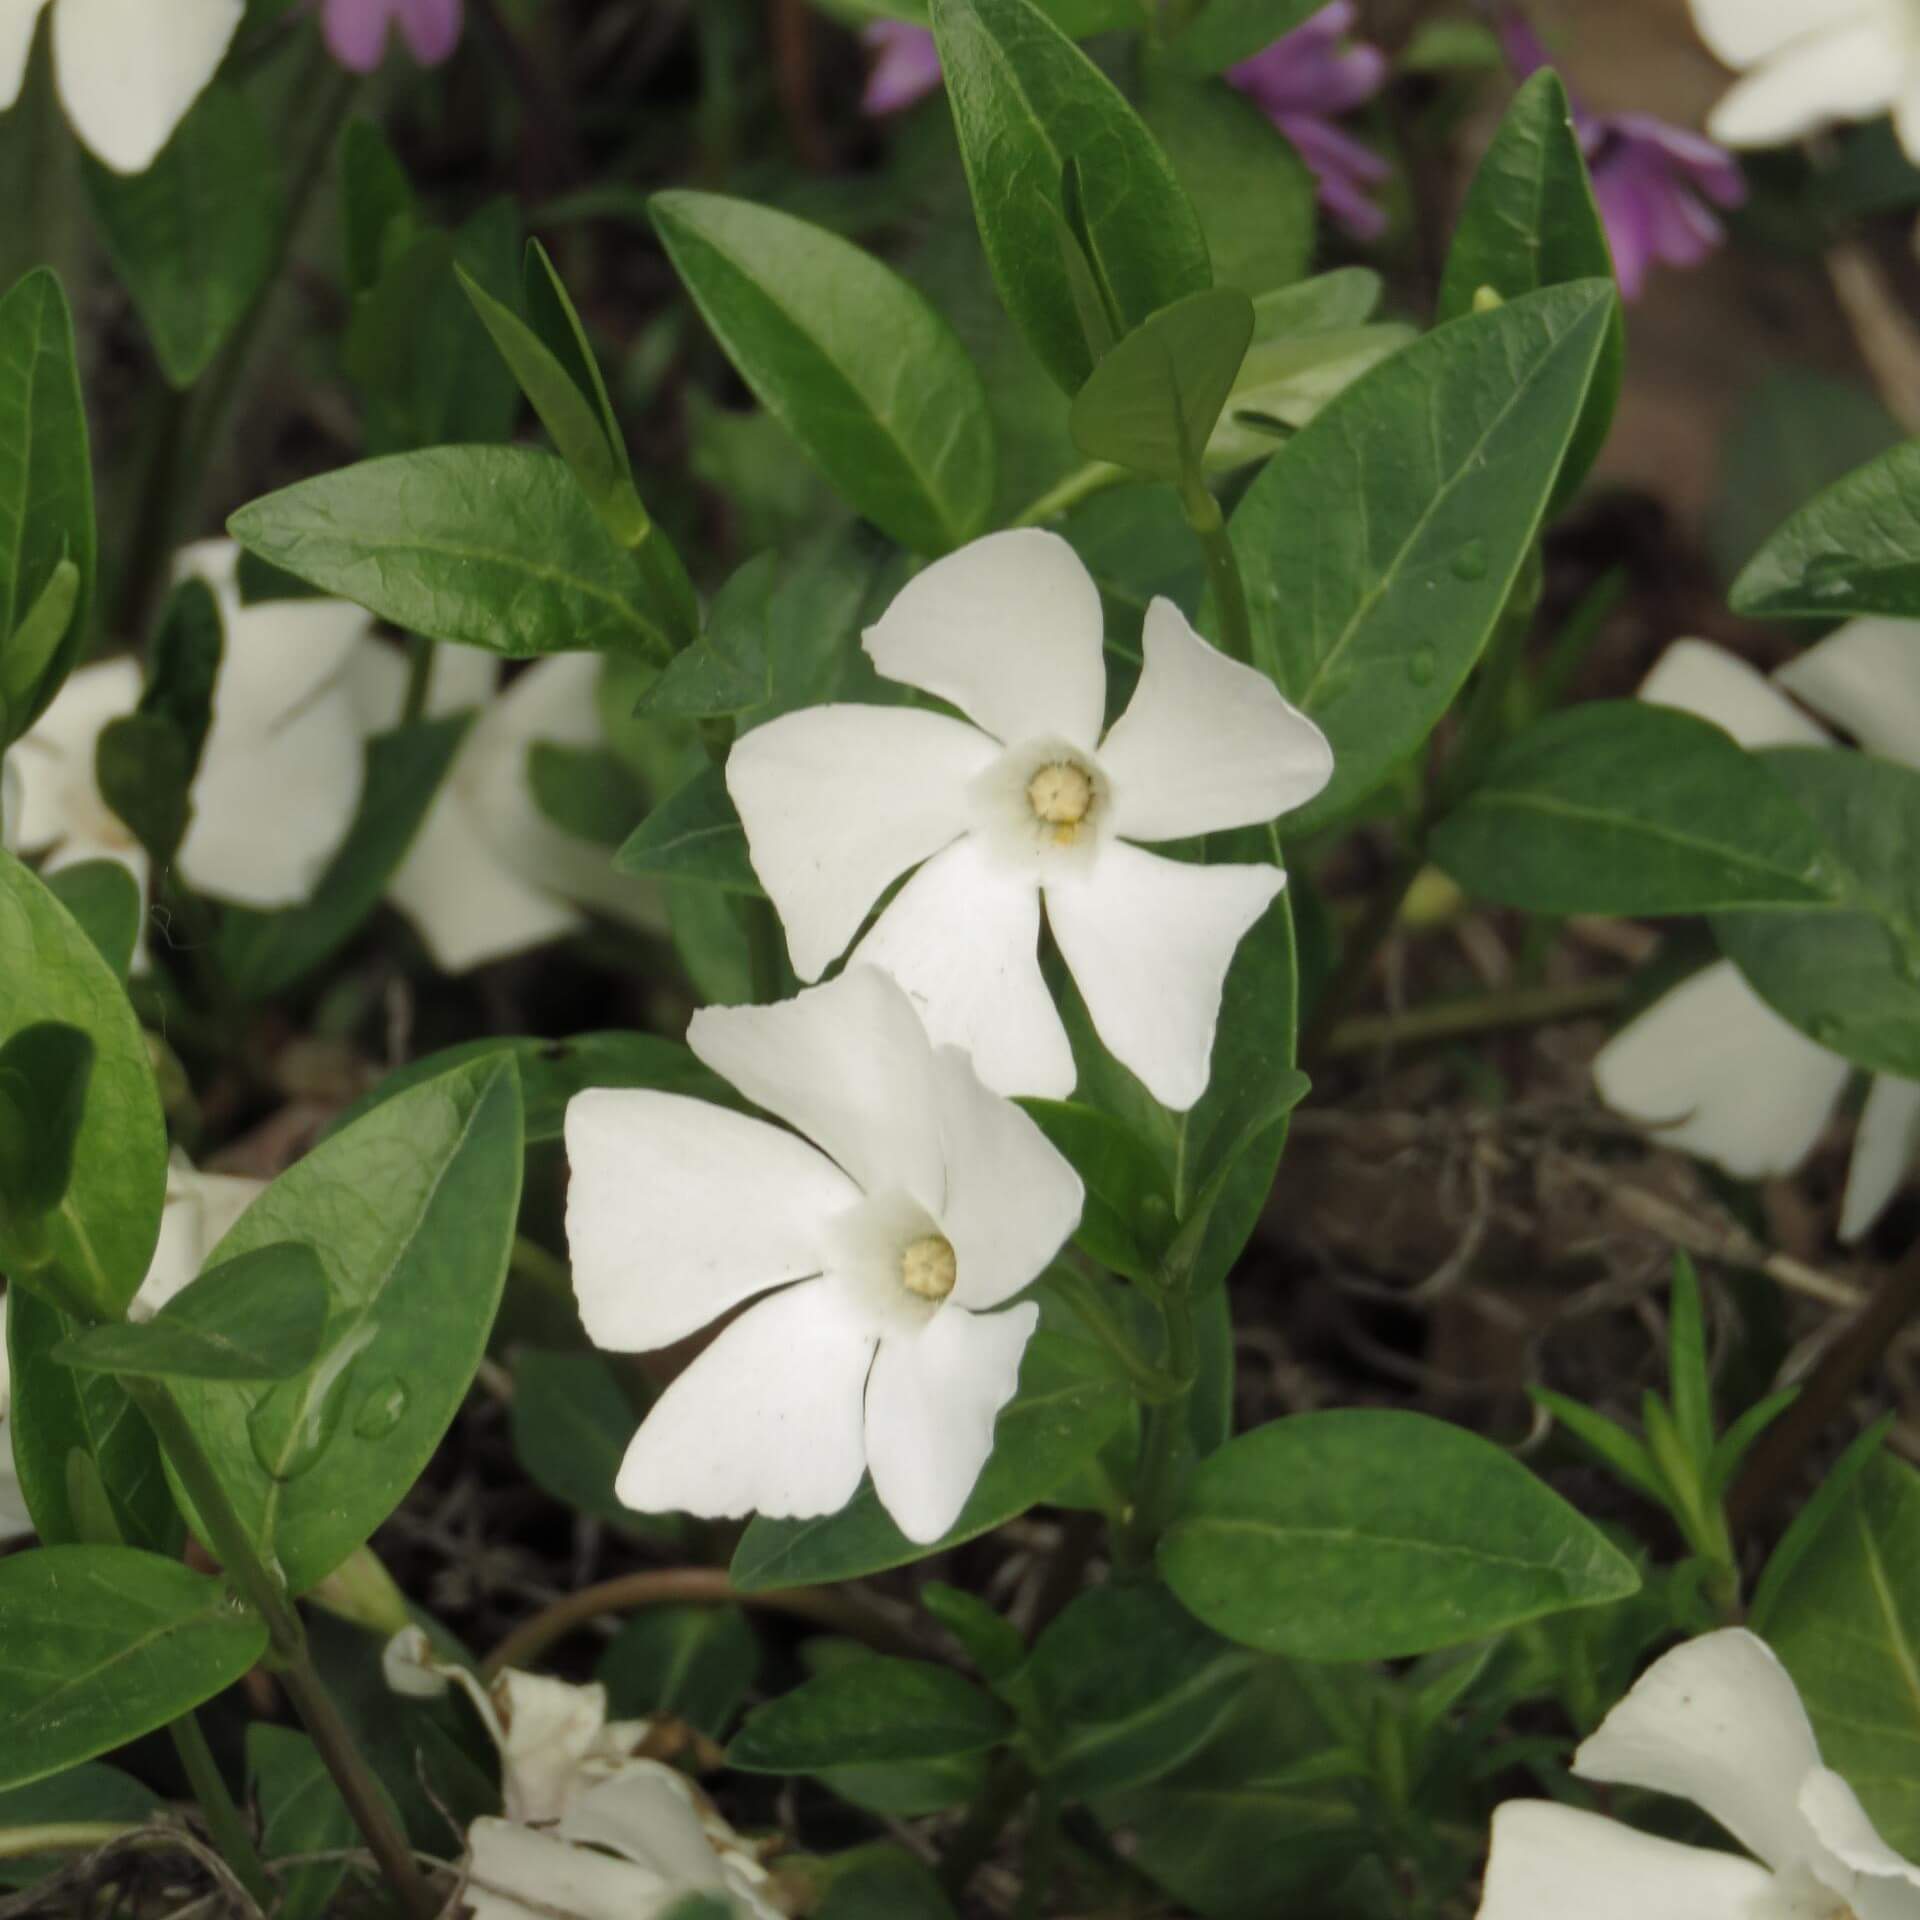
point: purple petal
(431, 28)
(906, 67)
(1326, 149)
(1526, 52)
(1629, 220)
(356, 32)
(1310, 71)
(1711, 167)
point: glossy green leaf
(99, 1645)
(377, 211)
(728, 670)
(1070, 1404)
(1127, 1220)
(1026, 101)
(991, 1640)
(1846, 975)
(694, 834)
(1853, 549)
(27, 654)
(870, 1712)
(195, 238)
(1368, 1535)
(1332, 302)
(104, 898)
(183, 665)
(301, 1814)
(557, 324)
(1621, 807)
(848, 357)
(104, 1232)
(1151, 404)
(572, 1425)
(44, 1075)
(585, 791)
(882, 1883)
(492, 547)
(89, 1793)
(413, 1211)
(259, 1316)
(695, 1664)
(1380, 545)
(143, 768)
(1225, 32)
(46, 487)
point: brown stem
(1479, 1013)
(791, 29)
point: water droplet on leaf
(294, 1425)
(382, 1410)
(1470, 563)
(1422, 666)
(1829, 576)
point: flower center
(1061, 796)
(927, 1267)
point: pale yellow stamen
(1061, 796)
(928, 1268)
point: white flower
(1711, 1064)
(200, 1210)
(1717, 1722)
(1807, 63)
(1030, 802)
(128, 70)
(489, 874)
(925, 1202)
(14, 1517)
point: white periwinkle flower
(925, 1202)
(1030, 802)
(127, 70)
(1805, 64)
(1711, 1064)
(1718, 1722)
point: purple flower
(1302, 83)
(1653, 181)
(906, 66)
(357, 30)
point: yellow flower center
(927, 1268)
(1061, 796)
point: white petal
(78, 848)
(963, 937)
(410, 1666)
(1833, 1810)
(1148, 941)
(1011, 1196)
(200, 1210)
(518, 1873)
(850, 1066)
(1885, 1148)
(462, 677)
(838, 802)
(678, 1210)
(767, 1420)
(1852, 73)
(18, 18)
(1865, 678)
(270, 808)
(1743, 31)
(279, 656)
(1556, 1863)
(646, 1813)
(466, 904)
(1712, 684)
(1009, 630)
(129, 70)
(1206, 744)
(932, 1400)
(1721, 1075)
(547, 1729)
(215, 561)
(1717, 1722)
(54, 796)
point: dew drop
(1470, 563)
(1422, 666)
(292, 1427)
(1829, 576)
(382, 1410)
(1827, 1028)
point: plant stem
(1477, 1013)
(63, 1836)
(420, 654)
(1043, 1842)
(1007, 1786)
(1223, 572)
(223, 1818)
(1146, 1513)
(1066, 494)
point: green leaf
(1128, 1219)
(259, 1316)
(848, 357)
(992, 1641)
(301, 1813)
(1335, 302)
(492, 547)
(1846, 975)
(870, 1712)
(30, 650)
(1835, 1487)
(557, 325)
(1854, 549)
(44, 1075)
(1225, 32)
(46, 487)
(882, 1883)
(109, 1221)
(1530, 221)
(1689, 1380)
(585, 791)
(1069, 1405)
(413, 1211)
(144, 770)
(90, 1793)
(1025, 101)
(377, 212)
(1608, 1440)
(1847, 1623)
(183, 666)
(104, 899)
(696, 1664)
(99, 1645)
(262, 954)
(694, 834)
(572, 1425)
(1380, 545)
(1616, 806)
(728, 669)
(195, 238)
(1152, 402)
(1368, 1535)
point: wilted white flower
(1718, 1722)
(200, 1210)
(1030, 802)
(924, 1202)
(1711, 1064)
(127, 70)
(14, 1517)
(1805, 64)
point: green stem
(1043, 1842)
(1007, 1786)
(63, 1836)
(1223, 572)
(1474, 1014)
(420, 655)
(1064, 495)
(1153, 1489)
(223, 1818)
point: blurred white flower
(199, 1211)
(1717, 1722)
(924, 1202)
(1805, 64)
(1030, 803)
(1711, 1064)
(127, 70)
(14, 1517)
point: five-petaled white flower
(1718, 1722)
(1711, 1064)
(1805, 64)
(1030, 802)
(128, 70)
(925, 1201)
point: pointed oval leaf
(1225, 32)
(870, 1712)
